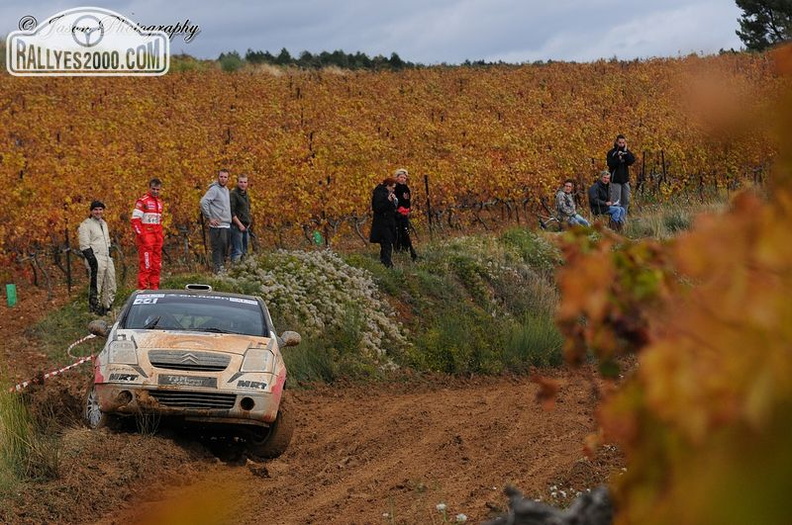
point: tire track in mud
(390, 453)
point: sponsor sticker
(191, 381)
(257, 385)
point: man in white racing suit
(94, 237)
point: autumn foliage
(315, 143)
(705, 417)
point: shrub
(230, 62)
(535, 341)
(325, 299)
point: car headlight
(257, 360)
(122, 352)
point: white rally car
(202, 358)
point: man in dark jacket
(383, 227)
(240, 219)
(599, 200)
(619, 161)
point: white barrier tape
(84, 339)
(21, 386)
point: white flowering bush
(318, 294)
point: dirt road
(362, 454)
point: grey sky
(432, 31)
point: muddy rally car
(200, 359)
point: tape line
(21, 386)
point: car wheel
(275, 441)
(92, 413)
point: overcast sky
(431, 31)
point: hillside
(491, 141)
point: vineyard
(691, 335)
(482, 144)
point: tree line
(763, 24)
(306, 60)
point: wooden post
(428, 205)
(68, 259)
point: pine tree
(764, 23)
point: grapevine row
(315, 143)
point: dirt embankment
(362, 454)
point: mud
(361, 454)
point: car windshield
(202, 313)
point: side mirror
(291, 338)
(99, 328)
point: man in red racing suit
(147, 223)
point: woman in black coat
(383, 228)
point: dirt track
(362, 454)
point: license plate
(206, 382)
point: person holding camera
(619, 160)
(383, 227)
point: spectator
(383, 227)
(599, 200)
(619, 161)
(147, 224)
(216, 208)
(565, 205)
(240, 219)
(402, 192)
(94, 237)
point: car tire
(92, 414)
(276, 440)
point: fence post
(428, 205)
(68, 258)
(642, 176)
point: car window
(205, 313)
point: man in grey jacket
(216, 208)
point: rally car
(205, 359)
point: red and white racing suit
(147, 223)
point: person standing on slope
(619, 160)
(147, 225)
(94, 238)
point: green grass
(663, 221)
(62, 327)
(29, 448)
(534, 342)
(15, 431)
